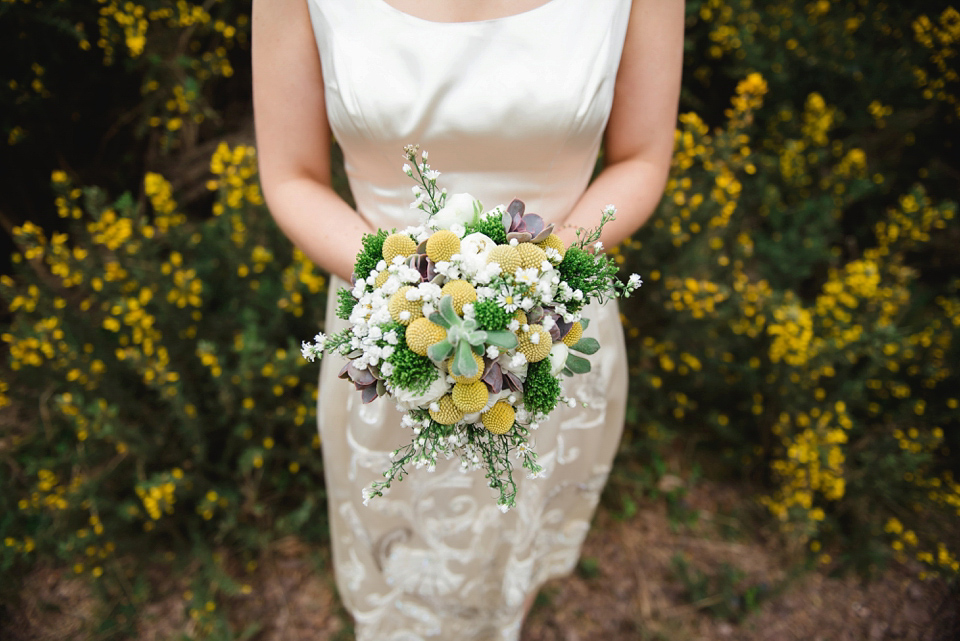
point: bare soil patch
(630, 586)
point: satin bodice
(509, 107)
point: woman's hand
(293, 138)
(639, 136)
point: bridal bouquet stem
(468, 322)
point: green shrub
(158, 385)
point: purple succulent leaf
(513, 382)
(422, 248)
(562, 326)
(506, 219)
(542, 236)
(493, 377)
(555, 334)
(368, 393)
(535, 315)
(515, 208)
(361, 376)
(533, 224)
(344, 371)
(520, 236)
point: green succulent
(463, 336)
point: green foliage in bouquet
(371, 254)
(541, 390)
(490, 316)
(412, 372)
(490, 226)
(154, 390)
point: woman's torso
(507, 107)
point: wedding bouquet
(467, 322)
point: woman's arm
(293, 138)
(639, 136)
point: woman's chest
(529, 79)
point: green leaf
(439, 351)
(503, 339)
(577, 365)
(447, 311)
(587, 346)
(463, 363)
(439, 320)
(585, 323)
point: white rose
(474, 249)
(411, 400)
(460, 209)
(558, 358)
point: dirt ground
(630, 586)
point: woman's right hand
(293, 138)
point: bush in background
(800, 314)
(158, 383)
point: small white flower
(508, 299)
(598, 247)
(513, 325)
(407, 170)
(458, 229)
(492, 352)
(527, 276)
(431, 175)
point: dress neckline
(389, 8)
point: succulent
(495, 377)
(365, 380)
(524, 228)
(463, 337)
(424, 265)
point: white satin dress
(510, 107)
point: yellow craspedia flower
(422, 333)
(442, 245)
(463, 379)
(574, 335)
(462, 293)
(530, 255)
(447, 413)
(398, 245)
(402, 310)
(535, 344)
(553, 242)
(505, 256)
(381, 278)
(470, 397)
(521, 317)
(499, 418)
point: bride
(512, 98)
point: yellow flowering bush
(802, 310)
(800, 314)
(153, 375)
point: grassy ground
(676, 564)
